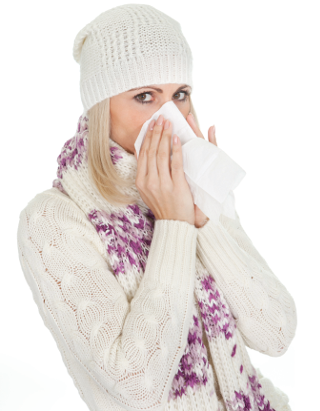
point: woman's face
(129, 110)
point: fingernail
(151, 124)
(214, 128)
(166, 124)
(160, 120)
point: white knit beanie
(128, 46)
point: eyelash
(187, 93)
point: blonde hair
(101, 168)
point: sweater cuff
(218, 249)
(172, 253)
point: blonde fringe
(101, 168)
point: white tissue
(211, 174)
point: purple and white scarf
(126, 233)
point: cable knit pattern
(150, 314)
(264, 310)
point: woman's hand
(161, 183)
(200, 217)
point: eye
(186, 94)
(142, 95)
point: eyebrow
(159, 90)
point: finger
(193, 125)
(153, 147)
(142, 168)
(214, 135)
(163, 159)
(177, 172)
(211, 135)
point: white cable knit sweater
(151, 315)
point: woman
(151, 304)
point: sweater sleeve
(130, 349)
(264, 310)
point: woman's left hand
(200, 217)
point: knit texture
(151, 314)
(128, 46)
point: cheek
(135, 119)
(131, 122)
(185, 110)
(126, 127)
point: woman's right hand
(163, 186)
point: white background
(256, 77)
